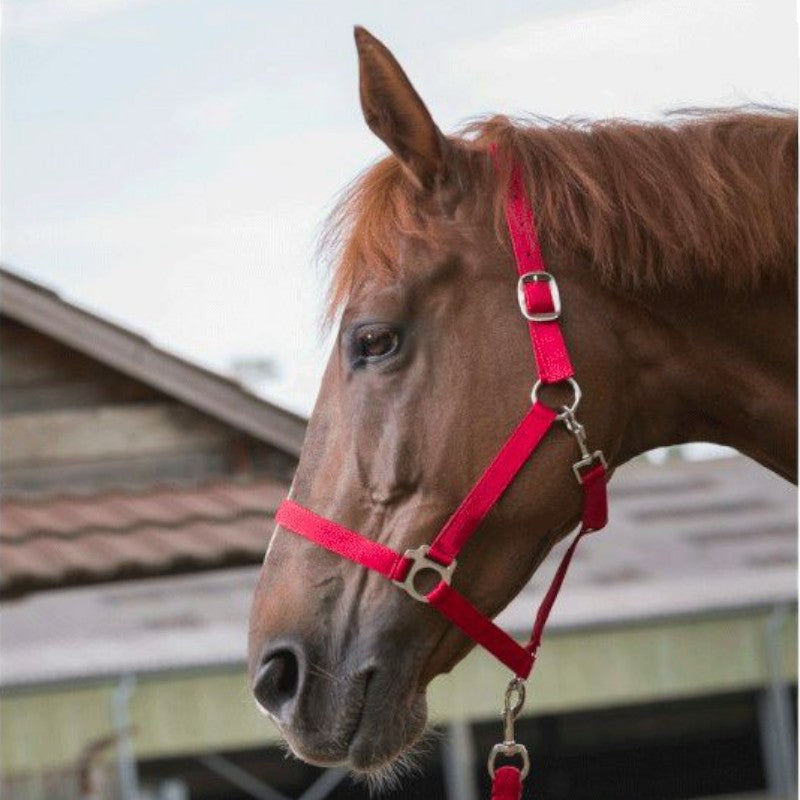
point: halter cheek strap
(540, 304)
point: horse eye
(373, 343)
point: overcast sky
(168, 164)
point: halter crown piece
(540, 304)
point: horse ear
(395, 112)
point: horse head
(430, 371)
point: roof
(685, 539)
(71, 540)
(222, 398)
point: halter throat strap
(540, 305)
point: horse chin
(386, 734)
(381, 732)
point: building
(102, 433)
(118, 461)
(136, 499)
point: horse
(674, 247)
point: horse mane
(705, 195)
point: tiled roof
(64, 541)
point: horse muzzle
(333, 714)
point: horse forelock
(703, 196)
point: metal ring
(510, 749)
(576, 392)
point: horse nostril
(278, 681)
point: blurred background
(166, 167)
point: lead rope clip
(587, 459)
(509, 747)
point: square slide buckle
(555, 297)
(587, 462)
(421, 561)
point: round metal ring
(570, 409)
(509, 750)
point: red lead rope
(541, 306)
(507, 784)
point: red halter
(539, 302)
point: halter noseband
(540, 304)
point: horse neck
(711, 364)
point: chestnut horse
(674, 246)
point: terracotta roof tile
(71, 540)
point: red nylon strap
(492, 483)
(450, 603)
(595, 516)
(379, 558)
(595, 498)
(339, 539)
(507, 784)
(481, 629)
(552, 358)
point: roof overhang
(132, 354)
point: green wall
(203, 711)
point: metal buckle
(420, 561)
(539, 277)
(566, 410)
(587, 461)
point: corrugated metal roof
(64, 541)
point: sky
(169, 164)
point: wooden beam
(123, 471)
(90, 434)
